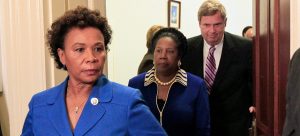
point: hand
(252, 109)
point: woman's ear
(61, 55)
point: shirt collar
(181, 77)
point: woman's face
(84, 54)
(166, 56)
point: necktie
(210, 69)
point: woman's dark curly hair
(177, 36)
(80, 17)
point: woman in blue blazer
(86, 103)
(179, 100)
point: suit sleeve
(250, 66)
(292, 95)
(27, 127)
(141, 120)
(202, 112)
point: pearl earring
(179, 64)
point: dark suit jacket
(0, 131)
(146, 64)
(119, 112)
(231, 94)
(292, 119)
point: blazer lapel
(200, 49)
(198, 55)
(93, 113)
(224, 61)
(57, 111)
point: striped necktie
(210, 69)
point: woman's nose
(91, 57)
(163, 54)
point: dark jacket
(292, 119)
(146, 64)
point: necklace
(77, 107)
(164, 105)
(164, 83)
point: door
(271, 58)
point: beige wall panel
(100, 5)
(295, 26)
(23, 69)
(74, 3)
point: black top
(160, 104)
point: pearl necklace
(164, 83)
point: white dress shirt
(217, 54)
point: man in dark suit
(224, 61)
(292, 119)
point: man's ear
(225, 21)
(61, 55)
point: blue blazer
(120, 112)
(187, 108)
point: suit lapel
(198, 55)
(93, 113)
(225, 60)
(57, 111)
(201, 57)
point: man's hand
(252, 109)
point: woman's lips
(91, 71)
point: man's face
(212, 28)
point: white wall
(131, 19)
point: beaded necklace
(164, 83)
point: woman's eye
(158, 51)
(170, 51)
(79, 50)
(98, 49)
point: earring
(179, 64)
(64, 67)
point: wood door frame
(271, 58)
